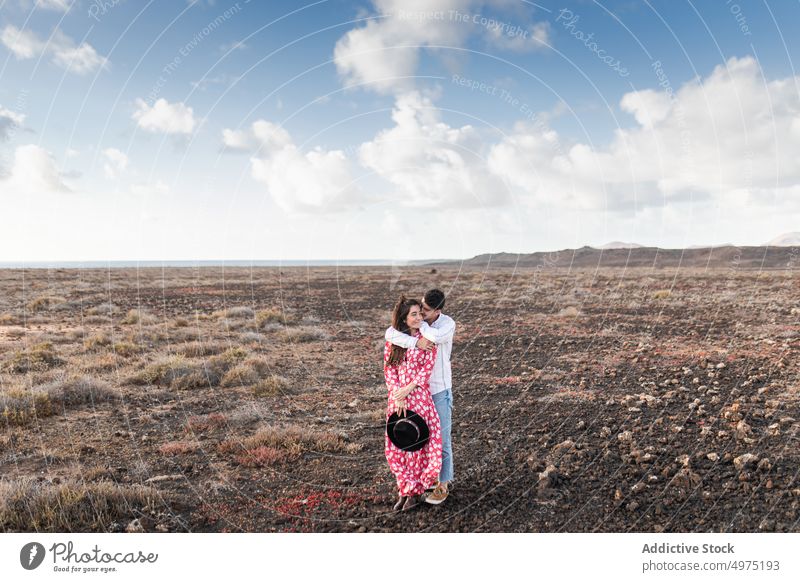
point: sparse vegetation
(240, 312)
(138, 316)
(37, 357)
(45, 303)
(28, 504)
(97, 340)
(266, 316)
(21, 406)
(662, 294)
(175, 448)
(271, 386)
(304, 334)
(246, 373)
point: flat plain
(237, 399)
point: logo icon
(31, 555)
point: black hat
(408, 433)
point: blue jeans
(444, 406)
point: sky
(389, 129)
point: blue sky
(392, 129)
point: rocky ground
(252, 400)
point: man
(438, 329)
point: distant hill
(789, 239)
(727, 257)
(619, 245)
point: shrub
(246, 373)
(178, 447)
(236, 313)
(97, 340)
(271, 386)
(269, 316)
(102, 309)
(20, 407)
(304, 334)
(294, 439)
(78, 390)
(28, 505)
(250, 337)
(265, 456)
(138, 316)
(201, 349)
(181, 322)
(9, 319)
(662, 294)
(45, 303)
(163, 371)
(207, 422)
(36, 358)
(125, 349)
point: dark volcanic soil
(597, 401)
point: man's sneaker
(439, 494)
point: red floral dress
(415, 470)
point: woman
(407, 374)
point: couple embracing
(419, 412)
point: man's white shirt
(441, 333)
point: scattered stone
(743, 461)
(764, 465)
(134, 526)
(712, 457)
(743, 430)
(685, 479)
(549, 478)
(625, 436)
(639, 487)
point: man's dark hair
(434, 299)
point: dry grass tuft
(36, 358)
(139, 316)
(246, 373)
(271, 386)
(45, 303)
(304, 334)
(293, 440)
(28, 505)
(207, 422)
(125, 349)
(662, 294)
(97, 340)
(20, 406)
(201, 349)
(178, 448)
(276, 316)
(240, 312)
(103, 309)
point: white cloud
(534, 37)
(728, 138)
(647, 106)
(116, 162)
(58, 5)
(23, 43)
(314, 181)
(165, 117)
(430, 164)
(261, 135)
(80, 59)
(9, 120)
(385, 51)
(33, 171)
